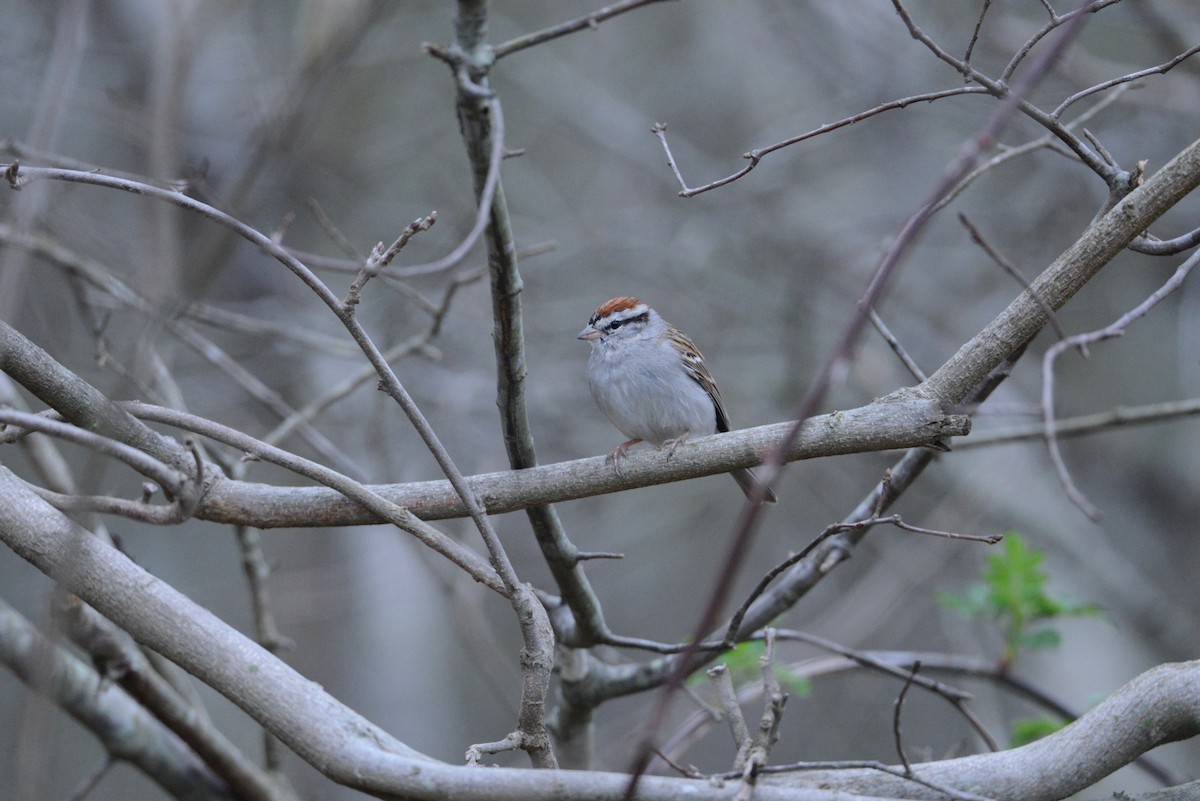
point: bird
(650, 381)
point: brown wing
(693, 363)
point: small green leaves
(743, 665)
(1013, 594)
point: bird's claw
(618, 454)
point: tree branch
(1160, 706)
(881, 426)
(1069, 273)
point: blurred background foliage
(268, 105)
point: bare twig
(378, 505)
(89, 782)
(731, 711)
(483, 212)
(1116, 329)
(1049, 141)
(1016, 96)
(332, 231)
(171, 480)
(735, 622)
(513, 741)
(1056, 20)
(381, 257)
(757, 155)
(1012, 270)
(758, 750)
(896, 708)
(1085, 424)
(1166, 247)
(141, 511)
(868, 764)
(1161, 69)
(913, 368)
(983, 10)
(955, 697)
(343, 389)
(587, 22)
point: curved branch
(171, 480)
(1160, 706)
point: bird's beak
(588, 334)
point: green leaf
(1029, 729)
(1042, 638)
(972, 603)
(799, 686)
(1013, 594)
(743, 659)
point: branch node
(11, 174)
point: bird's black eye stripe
(617, 323)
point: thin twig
(1085, 424)
(1055, 21)
(953, 696)
(865, 764)
(379, 505)
(513, 741)
(1116, 329)
(1161, 69)
(587, 22)
(1166, 247)
(910, 364)
(332, 231)
(1049, 141)
(727, 701)
(1015, 97)
(169, 479)
(416, 343)
(381, 257)
(755, 156)
(896, 709)
(89, 782)
(482, 213)
(987, 4)
(735, 622)
(1012, 270)
(141, 511)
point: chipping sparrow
(651, 383)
